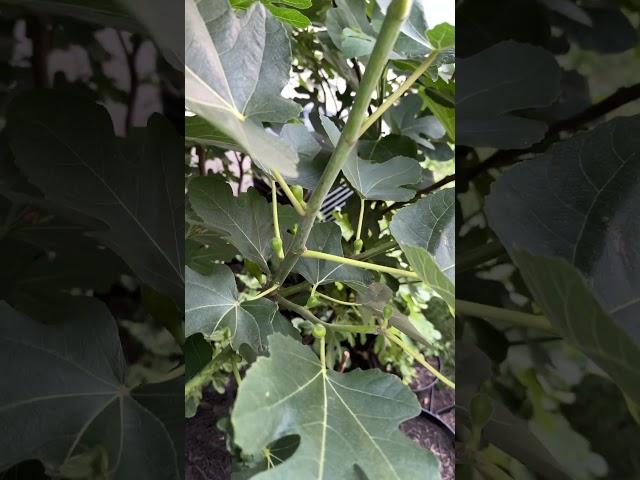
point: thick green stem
(526, 320)
(396, 14)
(307, 315)
(420, 359)
(357, 263)
(287, 191)
(406, 85)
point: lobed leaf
(244, 221)
(426, 233)
(76, 398)
(82, 166)
(212, 303)
(507, 77)
(442, 36)
(347, 423)
(404, 119)
(378, 181)
(582, 199)
(235, 68)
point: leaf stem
(360, 221)
(339, 302)
(307, 315)
(420, 359)
(382, 248)
(397, 12)
(420, 193)
(294, 289)
(479, 255)
(264, 293)
(236, 373)
(357, 263)
(274, 207)
(172, 375)
(287, 191)
(406, 85)
(323, 357)
(521, 319)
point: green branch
(274, 210)
(358, 242)
(264, 293)
(290, 195)
(294, 289)
(276, 242)
(307, 315)
(479, 255)
(377, 250)
(521, 319)
(406, 85)
(236, 373)
(397, 12)
(420, 359)
(339, 302)
(357, 263)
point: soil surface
(207, 457)
(206, 452)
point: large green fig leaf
(384, 181)
(198, 131)
(354, 34)
(377, 181)
(507, 77)
(347, 423)
(75, 398)
(385, 148)
(426, 233)
(82, 166)
(32, 276)
(563, 294)
(580, 201)
(311, 163)
(326, 238)
(440, 100)
(235, 68)
(404, 119)
(349, 28)
(212, 303)
(413, 41)
(245, 221)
